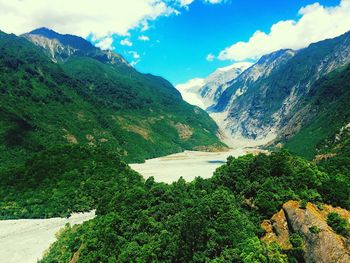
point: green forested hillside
(63, 180)
(85, 101)
(214, 219)
(328, 104)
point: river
(188, 164)
(25, 240)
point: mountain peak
(276, 54)
(44, 31)
(60, 47)
(238, 65)
(73, 41)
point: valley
(212, 170)
(26, 240)
(188, 165)
(32, 237)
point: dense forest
(215, 219)
(63, 180)
(87, 101)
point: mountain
(62, 47)
(52, 96)
(259, 103)
(206, 92)
(321, 124)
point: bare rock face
(270, 98)
(323, 245)
(277, 230)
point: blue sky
(179, 44)
(173, 38)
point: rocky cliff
(262, 100)
(205, 92)
(320, 242)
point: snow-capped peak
(204, 92)
(238, 65)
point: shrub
(315, 229)
(338, 224)
(303, 204)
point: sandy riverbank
(188, 164)
(25, 240)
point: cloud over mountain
(316, 23)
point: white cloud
(214, 1)
(134, 54)
(210, 57)
(126, 42)
(133, 63)
(81, 17)
(185, 2)
(105, 43)
(143, 38)
(189, 91)
(316, 23)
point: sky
(184, 39)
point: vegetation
(338, 224)
(296, 253)
(88, 102)
(315, 229)
(328, 104)
(61, 181)
(271, 180)
(208, 219)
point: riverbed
(188, 164)
(25, 240)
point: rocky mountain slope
(320, 124)
(206, 92)
(263, 99)
(62, 90)
(62, 47)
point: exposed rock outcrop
(323, 245)
(271, 97)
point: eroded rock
(323, 245)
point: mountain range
(205, 92)
(72, 115)
(60, 89)
(275, 99)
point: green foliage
(296, 240)
(296, 253)
(302, 204)
(338, 224)
(253, 252)
(315, 229)
(60, 181)
(271, 180)
(199, 221)
(89, 102)
(154, 222)
(328, 111)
